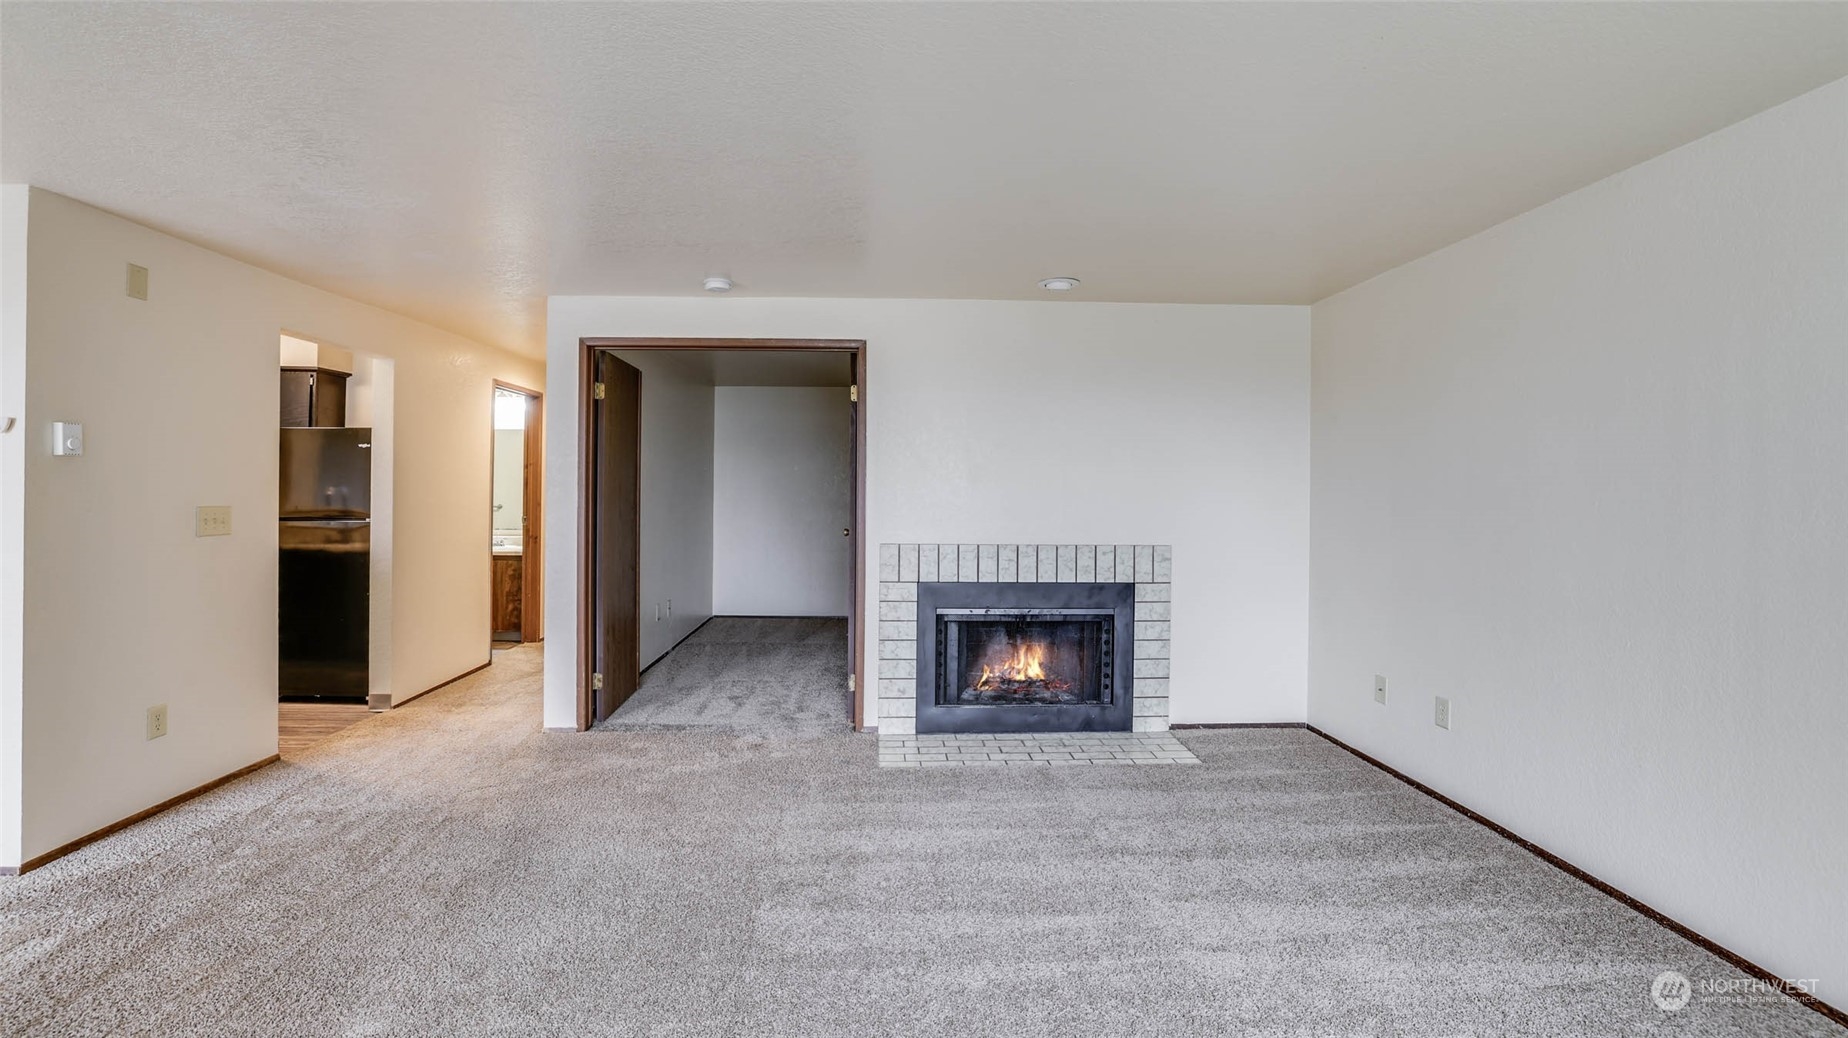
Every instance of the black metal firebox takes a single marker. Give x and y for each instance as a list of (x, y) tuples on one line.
[(1025, 657)]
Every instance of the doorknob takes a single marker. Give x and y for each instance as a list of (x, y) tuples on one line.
[(845, 533)]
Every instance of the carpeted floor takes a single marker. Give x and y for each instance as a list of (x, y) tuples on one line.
[(449, 869), (748, 674)]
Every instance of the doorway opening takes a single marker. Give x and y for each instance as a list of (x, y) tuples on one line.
[(515, 566), (736, 540), (334, 519)]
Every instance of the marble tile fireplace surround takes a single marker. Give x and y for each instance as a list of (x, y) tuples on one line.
[(1023, 638)]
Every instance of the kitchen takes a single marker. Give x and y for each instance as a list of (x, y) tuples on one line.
[(334, 513), (324, 546)]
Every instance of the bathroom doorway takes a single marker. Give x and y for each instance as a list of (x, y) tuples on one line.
[(515, 566)]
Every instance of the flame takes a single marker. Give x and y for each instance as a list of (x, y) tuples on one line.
[(1028, 663), (1024, 667)]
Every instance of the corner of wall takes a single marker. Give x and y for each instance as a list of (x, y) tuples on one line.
[(560, 517), (15, 212), (381, 398)]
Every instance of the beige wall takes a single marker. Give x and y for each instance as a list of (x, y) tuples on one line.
[(1585, 474), (297, 352), (123, 607)]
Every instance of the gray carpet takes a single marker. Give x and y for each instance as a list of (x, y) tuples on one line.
[(449, 869), (748, 674)]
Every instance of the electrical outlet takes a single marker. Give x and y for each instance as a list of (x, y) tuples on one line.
[(1443, 713), (1379, 689), (212, 521), (157, 721), (137, 281), (657, 612)]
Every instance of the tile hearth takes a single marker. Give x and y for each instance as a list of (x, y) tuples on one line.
[(1049, 749)]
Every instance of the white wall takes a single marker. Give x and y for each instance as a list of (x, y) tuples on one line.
[(781, 492), (125, 608), (1586, 474), (15, 210), (1204, 446), (676, 519), (372, 399)]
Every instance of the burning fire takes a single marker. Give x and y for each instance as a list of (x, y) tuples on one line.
[(1024, 669)]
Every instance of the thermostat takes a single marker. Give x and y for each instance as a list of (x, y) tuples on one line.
[(67, 438)]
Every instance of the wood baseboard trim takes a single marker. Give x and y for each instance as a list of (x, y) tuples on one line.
[(1680, 929), (445, 684), (114, 827), (1236, 724)]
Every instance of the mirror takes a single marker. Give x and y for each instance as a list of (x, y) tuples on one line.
[(509, 471)]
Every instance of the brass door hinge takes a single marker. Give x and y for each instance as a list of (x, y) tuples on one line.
[(599, 391), (596, 682), (853, 394)]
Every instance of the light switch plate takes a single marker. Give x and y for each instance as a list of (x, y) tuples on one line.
[(137, 281), (212, 521), (67, 439), (1379, 689)]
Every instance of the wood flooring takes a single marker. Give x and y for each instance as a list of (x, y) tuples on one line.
[(301, 725)]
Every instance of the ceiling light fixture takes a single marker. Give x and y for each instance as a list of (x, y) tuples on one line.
[(718, 284), (1059, 284)]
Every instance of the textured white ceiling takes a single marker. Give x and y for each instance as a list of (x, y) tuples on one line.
[(460, 162)]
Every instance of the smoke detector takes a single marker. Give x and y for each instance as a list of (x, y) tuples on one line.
[(718, 284), (1059, 284)]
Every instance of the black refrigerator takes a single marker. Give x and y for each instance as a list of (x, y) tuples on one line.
[(325, 568)]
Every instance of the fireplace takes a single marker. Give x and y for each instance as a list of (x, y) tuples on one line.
[(1002, 657), (1025, 657), (1130, 583)]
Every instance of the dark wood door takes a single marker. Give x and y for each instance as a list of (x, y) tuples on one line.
[(532, 575), (617, 590)]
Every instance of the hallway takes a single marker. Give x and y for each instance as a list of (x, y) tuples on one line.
[(748, 674)]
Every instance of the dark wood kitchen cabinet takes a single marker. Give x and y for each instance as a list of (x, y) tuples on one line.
[(507, 577), (313, 397)]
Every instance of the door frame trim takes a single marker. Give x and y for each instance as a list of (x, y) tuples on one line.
[(532, 491), (588, 347)]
